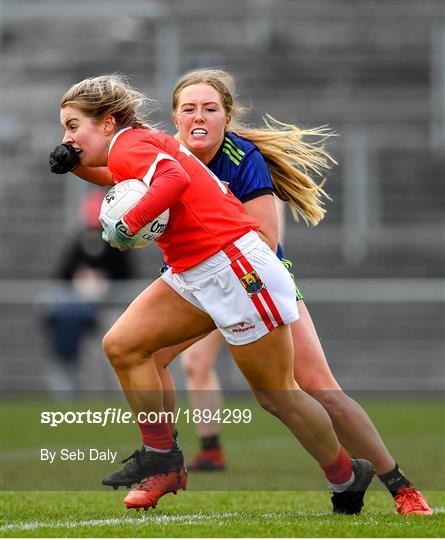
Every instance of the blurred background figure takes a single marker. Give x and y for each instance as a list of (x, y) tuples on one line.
[(85, 270)]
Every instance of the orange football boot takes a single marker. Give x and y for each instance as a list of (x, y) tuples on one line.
[(409, 501), (148, 492)]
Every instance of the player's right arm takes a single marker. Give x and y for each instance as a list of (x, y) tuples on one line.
[(134, 156), (100, 176)]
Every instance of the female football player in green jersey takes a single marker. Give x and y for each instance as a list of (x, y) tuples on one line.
[(206, 115)]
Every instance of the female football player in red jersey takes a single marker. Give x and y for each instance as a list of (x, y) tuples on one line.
[(255, 163), (221, 274)]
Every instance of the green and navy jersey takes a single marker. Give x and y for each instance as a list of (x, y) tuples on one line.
[(241, 166)]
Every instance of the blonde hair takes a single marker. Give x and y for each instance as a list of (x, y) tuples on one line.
[(105, 95), (291, 153)]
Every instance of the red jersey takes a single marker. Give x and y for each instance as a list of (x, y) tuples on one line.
[(205, 219)]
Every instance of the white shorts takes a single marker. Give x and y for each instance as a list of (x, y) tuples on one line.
[(245, 289)]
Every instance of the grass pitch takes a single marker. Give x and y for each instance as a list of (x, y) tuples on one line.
[(215, 514), (283, 493)]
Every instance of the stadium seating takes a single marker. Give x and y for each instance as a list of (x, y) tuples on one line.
[(351, 65)]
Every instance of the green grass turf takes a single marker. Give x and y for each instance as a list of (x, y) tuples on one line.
[(215, 514), (283, 493)]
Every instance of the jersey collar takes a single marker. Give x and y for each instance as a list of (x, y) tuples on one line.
[(218, 153), (113, 140)]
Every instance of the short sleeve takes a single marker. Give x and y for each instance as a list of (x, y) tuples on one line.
[(253, 178)]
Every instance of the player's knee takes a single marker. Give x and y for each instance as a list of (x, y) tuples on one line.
[(313, 382), (334, 401), (110, 346), (162, 358), (281, 403), (269, 403), (196, 372), (116, 351), (194, 367)]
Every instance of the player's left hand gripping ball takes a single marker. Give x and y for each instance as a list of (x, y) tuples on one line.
[(119, 236), (64, 158)]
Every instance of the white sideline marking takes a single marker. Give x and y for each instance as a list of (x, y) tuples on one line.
[(185, 518)]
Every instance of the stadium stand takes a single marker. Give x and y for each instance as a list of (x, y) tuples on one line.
[(362, 67)]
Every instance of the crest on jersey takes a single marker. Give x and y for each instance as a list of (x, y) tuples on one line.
[(252, 283)]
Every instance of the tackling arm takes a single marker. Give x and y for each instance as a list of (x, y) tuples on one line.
[(264, 210)]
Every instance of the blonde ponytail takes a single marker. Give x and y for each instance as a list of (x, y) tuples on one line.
[(293, 156)]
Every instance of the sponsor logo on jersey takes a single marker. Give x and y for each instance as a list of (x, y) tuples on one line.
[(252, 283)]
